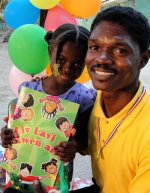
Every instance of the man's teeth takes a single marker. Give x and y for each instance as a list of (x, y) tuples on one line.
[(104, 73)]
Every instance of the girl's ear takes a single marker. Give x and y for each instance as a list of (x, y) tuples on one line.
[(49, 50), (144, 58)]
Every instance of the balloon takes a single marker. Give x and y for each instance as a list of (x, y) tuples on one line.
[(45, 4), (16, 78), (56, 17), (28, 50), (82, 8), (20, 12), (84, 76)]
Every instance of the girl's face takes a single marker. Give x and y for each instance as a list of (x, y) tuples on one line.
[(71, 61)]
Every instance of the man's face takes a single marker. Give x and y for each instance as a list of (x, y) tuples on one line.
[(113, 58)]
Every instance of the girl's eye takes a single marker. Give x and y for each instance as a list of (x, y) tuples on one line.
[(120, 51), (61, 61), (77, 65)]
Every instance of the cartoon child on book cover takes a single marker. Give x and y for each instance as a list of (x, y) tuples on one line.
[(51, 105), (51, 168), (50, 123), (9, 155), (24, 107), (64, 125)]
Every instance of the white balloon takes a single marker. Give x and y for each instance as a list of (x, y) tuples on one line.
[(17, 77)]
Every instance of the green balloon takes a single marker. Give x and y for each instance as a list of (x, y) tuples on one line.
[(28, 50)]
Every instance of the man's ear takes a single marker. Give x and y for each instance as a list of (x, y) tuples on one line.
[(144, 58)]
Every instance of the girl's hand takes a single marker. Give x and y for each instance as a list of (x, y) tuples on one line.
[(37, 79), (66, 150), (8, 137)]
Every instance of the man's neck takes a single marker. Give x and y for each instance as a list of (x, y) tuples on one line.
[(114, 102)]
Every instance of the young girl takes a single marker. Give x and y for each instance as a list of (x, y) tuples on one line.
[(67, 49)]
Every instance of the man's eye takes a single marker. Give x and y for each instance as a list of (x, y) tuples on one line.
[(120, 51)]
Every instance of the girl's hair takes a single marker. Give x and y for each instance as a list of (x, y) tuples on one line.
[(68, 32)]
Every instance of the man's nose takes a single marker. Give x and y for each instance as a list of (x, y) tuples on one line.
[(104, 57)]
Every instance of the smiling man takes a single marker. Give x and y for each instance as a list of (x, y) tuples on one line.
[(119, 126)]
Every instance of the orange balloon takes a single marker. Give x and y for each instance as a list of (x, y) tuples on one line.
[(82, 79), (84, 76), (82, 8)]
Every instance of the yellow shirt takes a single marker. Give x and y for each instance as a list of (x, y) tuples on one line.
[(124, 163)]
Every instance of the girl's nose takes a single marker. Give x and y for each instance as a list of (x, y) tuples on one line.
[(66, 67)]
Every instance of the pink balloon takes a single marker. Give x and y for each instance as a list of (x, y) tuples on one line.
[(56, 17), (16, 78)]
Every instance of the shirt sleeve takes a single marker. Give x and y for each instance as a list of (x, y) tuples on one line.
[(32, 85), (141, 182), (88, 100), (80, 125), (23, 84)]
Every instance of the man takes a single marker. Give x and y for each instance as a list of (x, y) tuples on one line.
[(119, 126)]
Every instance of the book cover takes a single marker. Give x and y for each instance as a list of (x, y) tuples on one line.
[(42, 121)]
